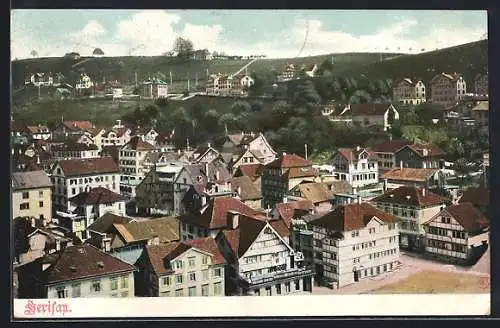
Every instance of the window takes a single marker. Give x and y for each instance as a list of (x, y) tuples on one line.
[(205, 274), (191, 261), (178, 264), (192, 291), (40, 193), (77, 290), (217, 288), (179, 292), (355, 234), (166, 281), (114, 284), (268, 291), (96, 286), (192, 276), (26, 195), (287, 287), (179, 279), (297, 284), (124, 282), (278, 289), (217, 272), (61, 292), (204, 290), (24, 206), (204, 260), (257, 292), (40, 204)]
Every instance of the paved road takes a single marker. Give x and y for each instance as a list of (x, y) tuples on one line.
[(410, 264)]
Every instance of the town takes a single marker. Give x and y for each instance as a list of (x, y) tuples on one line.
[(289, 189)]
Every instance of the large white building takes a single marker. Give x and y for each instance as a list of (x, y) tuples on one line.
[(354, 242), (357, 166), (131, 158)]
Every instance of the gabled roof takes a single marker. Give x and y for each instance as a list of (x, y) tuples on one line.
[(468, 216), (242, 238), (105, 222), (30, 180), (301, 172), (200, 170), (410, 196), (291, 209), (409, 174), (99, 165), (208, 245), (253, 171), (78, 125), (315, 192), (160, 255), (136, 143), (391, 146), (249, 191), (97, 195), (38, 129), (352, 154), (451, 77), (83, 261), (166, 229), (478, 196), (214, 214), (424, 150), (367, 109), (350, 217), (339, 187), (289, 161), (482, 106)]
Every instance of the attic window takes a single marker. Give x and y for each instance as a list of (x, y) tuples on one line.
[(408, 197), (100, 264), (81, 250)]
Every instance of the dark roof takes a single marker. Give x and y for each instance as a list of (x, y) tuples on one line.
[(30, 180), (289, 161), (468, 216), (249, 190), (253, 171), (136, 143), (241, 238), (351, 217), (97, 195), (98, 165), (424, 150), (158, 253), (74, 146), (478, 196), (410, 196), (301, 172), (196, 170), (391, 146), (83, 261), (105, 222), (368, 109)]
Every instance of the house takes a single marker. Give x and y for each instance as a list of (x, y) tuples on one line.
[(117, 136), (200, 54), (367, 115), (155, 193), (257, 143), (41, 79), (194, 268), (408, 91), (260, 261), (71, 128), (43, 240), (102, 229), (75, 150), (413, 206), (111, 151), (253, 171), (301, 237), (385, 152), (423, 178), (458, 233), (447, 89), (481, 84), (73, 176), (148, 135), (164, 142), (289, 210), (212, 217), (228, 85), (339, 187), (76, 271), (38, 132), (30, 157), (247, 191), (310, 70), (245, 156), (131, 158), (206, 176), (31, 195), (358, 166), (287, 74), (419, 156), (247, 81), (479, 197), (316, 192), (282, 175), (204, 154), (353, 242), (89, 205), (154, 89), (84, 82), (480, 115)]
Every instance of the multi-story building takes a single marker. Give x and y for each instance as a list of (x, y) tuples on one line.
[(447, 89), (237, 144), (386, 151), (413, 207), (73, 176), (422, 178), (419, 156), (260, 261), (481, 84), (228, 85), (358, 166), (31, 195), (119, 136), (154, 89), (354, 242), (408, 91), (74, 150), (80, 271), (38, 132), (369, 115), (288, 73), (282, 175), (131, 158), (194, 268), (457, 233)]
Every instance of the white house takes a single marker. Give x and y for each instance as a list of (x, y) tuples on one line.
[(146, 135), (85, 82), (247, 81), (457, 233), (260, 261), (39, 132), (117, 136), (353, 242), (358, 166), (413, 206), (131, 158)]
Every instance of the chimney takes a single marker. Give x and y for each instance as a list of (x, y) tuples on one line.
[(358, 199), (106, 244), (285, 199), (423, 192), (358, 148), (233, 220), (203, 200), (33, 222), (206, 169), (385, 185), (401, 165), (58, 245), (209, 145), (155, 240)]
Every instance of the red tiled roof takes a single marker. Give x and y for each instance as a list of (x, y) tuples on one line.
[(241, 238), (352, 154), (99, 165), (368, 109), (249, 191), (479, 196), (409, 174), (280, 227), (253, 171), (289, 161), (302, 172), (208, 245), (410, 196), (468, 216), (97, 195), (82, 125), (136, 143), (288, 211), (431, 151), (351, 217), (157, 254), (391, 146)]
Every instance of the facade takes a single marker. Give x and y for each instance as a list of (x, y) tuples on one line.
[(245, 156), (419, 156), (480, 115), (31, 195), (131, 158), (154, 89), (354, 242), (288, 73), (38, 132), (413, 207), (84, 82), (247, 191), (481, 84), (386, 151), (457, 233), (75, 151), (118, 136), (357, 166), (369, 115), (260, 261), (408, 91), (237, 144), (423, 178), (282, 175), (81, 271), (228, 85), (447, 89), (183, 269)]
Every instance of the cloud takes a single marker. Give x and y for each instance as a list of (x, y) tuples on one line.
[(92, 30)]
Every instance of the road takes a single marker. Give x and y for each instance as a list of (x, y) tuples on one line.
[(411, 263)]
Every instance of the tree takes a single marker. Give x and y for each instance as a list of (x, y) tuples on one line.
[(240, 106), (34, 53), (183, 47), (462, 171)]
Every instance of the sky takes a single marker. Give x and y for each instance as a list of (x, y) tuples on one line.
[(274, 33)]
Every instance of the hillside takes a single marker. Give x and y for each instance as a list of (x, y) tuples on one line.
[(468, 59), (125, 68)]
